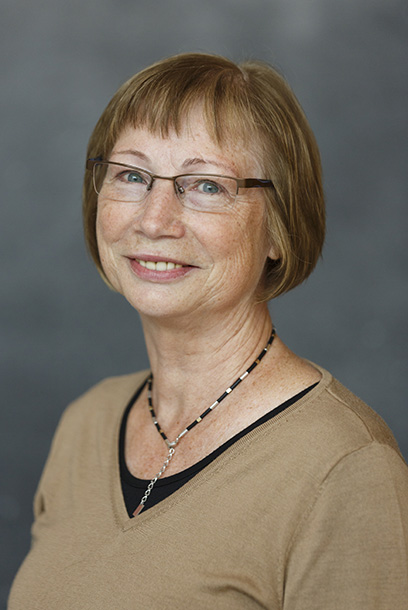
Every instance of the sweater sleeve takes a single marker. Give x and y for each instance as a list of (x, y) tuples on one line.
[(350, 552)]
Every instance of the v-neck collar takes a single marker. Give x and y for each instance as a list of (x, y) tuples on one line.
[(120, 513)]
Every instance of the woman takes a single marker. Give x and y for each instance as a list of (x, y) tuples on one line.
[(202, 200)]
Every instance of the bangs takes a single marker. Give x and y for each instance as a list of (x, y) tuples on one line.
[(162, 100)]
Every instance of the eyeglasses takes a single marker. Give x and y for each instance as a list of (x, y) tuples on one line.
[(201, 192)]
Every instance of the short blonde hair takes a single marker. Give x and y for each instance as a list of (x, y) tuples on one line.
[(250, 102)]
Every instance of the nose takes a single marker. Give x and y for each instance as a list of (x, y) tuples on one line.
[(161, 213)]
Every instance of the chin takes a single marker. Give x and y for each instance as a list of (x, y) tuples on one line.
[(157, 306)]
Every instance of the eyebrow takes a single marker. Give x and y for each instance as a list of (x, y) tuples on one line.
[(134, 153), (199, 161), (187, 163)]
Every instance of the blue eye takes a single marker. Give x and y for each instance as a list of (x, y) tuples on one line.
[(209, 188), (134, 177)]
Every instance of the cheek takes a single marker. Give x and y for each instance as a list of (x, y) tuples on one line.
[(240, 241), (250, 234), (109, 226)]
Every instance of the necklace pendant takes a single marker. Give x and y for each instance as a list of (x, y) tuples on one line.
[(170, 444), (138, 510)]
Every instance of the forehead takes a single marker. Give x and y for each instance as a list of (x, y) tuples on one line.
[(192, 144)]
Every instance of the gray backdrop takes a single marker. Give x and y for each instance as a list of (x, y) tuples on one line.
[(62, 330)]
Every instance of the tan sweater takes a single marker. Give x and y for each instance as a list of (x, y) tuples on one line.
[(309, 511)]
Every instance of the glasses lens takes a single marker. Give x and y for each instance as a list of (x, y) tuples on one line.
[(120, 183), (207, 192)]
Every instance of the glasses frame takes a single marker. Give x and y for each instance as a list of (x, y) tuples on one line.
[(247, 183)]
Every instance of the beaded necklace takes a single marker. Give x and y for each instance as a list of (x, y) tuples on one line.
[(171, 445)]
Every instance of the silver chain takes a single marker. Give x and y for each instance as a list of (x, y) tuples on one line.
[(154, 481)]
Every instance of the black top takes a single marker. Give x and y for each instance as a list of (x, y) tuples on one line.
[(133, 488)]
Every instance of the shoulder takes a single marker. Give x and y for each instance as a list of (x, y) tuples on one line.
[(107, 394), (341, 419), (326, 432), (100, 406), (84, 433)]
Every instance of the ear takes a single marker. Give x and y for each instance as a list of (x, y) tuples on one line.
[(273, 253)]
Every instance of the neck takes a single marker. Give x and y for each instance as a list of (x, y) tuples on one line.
[(193, 364)]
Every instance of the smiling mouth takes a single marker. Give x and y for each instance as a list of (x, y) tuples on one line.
[(158, 265)]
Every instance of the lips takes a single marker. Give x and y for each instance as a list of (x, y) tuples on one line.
[(157, 268)]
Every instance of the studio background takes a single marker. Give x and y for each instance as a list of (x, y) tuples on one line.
[(62, 330)]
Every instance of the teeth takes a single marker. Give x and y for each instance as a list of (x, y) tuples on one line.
[(162, 266), (159, 266)]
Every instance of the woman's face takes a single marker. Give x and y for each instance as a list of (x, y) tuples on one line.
[(216, 259)]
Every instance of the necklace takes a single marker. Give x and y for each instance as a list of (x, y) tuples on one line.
[(171, 445)]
